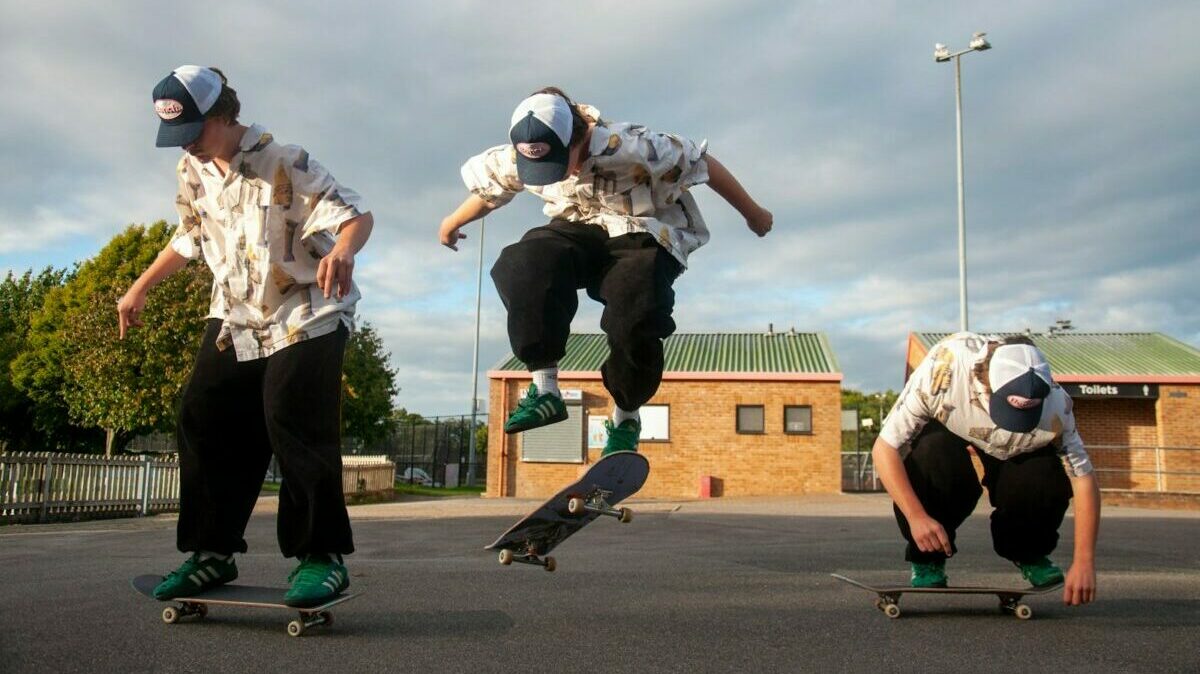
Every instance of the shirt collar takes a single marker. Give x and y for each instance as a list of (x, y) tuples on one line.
[(251, 137)]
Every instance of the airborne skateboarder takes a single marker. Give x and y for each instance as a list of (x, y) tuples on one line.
[(622, 226), (280, 235), (999, 397)]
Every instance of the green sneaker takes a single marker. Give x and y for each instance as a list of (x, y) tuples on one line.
[(534, 411), (1041, 573), (316, 580), (623, 438), (195, 576), (932, 574)]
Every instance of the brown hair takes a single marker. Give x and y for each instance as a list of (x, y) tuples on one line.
[(227, 105), (579, 118)]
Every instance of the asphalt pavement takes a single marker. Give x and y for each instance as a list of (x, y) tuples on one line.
[(729, 586)]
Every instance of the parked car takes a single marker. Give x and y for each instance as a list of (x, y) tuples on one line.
[(415, 476)]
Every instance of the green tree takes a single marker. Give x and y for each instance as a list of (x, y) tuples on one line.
[(25, 426), (368, 387), (870, 405), (125, 387)]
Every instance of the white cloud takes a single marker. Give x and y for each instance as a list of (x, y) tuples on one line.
[(1081, 153)]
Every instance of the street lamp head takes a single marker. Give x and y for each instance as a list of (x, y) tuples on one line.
[(979, 42), (940, 53)]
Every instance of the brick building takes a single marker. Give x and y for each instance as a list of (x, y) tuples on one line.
[(759, 414), (1137, 404)]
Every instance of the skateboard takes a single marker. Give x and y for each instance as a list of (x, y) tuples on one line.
[(1010, 598), (242, 595), (611, 480)]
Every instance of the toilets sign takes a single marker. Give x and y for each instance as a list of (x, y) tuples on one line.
[(1143, 391)]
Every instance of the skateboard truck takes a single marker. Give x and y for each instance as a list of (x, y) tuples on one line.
[(597, 502), (530, 556)]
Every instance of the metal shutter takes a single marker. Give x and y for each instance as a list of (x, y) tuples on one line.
[(557, 443)]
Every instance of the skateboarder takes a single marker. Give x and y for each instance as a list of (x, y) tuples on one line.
[(280, 235), (999, 397), (622, 226)]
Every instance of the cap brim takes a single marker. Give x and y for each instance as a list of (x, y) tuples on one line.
[(1012, 419), (545, 171), (178, 135)]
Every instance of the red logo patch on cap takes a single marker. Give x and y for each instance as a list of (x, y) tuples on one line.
[(168, 108), (533, 150)]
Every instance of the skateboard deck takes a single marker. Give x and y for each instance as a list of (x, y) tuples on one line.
[(609, 481), (241, 595), (1010, 598)]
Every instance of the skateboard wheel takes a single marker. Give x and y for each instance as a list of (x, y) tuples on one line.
[(550, 564), (295, 628), (326, 617), (891, 611), (506, 557), (1023, 612), (170, 615), (575, 505), (626, 516)]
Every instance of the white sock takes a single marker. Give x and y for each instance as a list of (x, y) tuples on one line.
[(546, 380), (620, 415), (207, 555)]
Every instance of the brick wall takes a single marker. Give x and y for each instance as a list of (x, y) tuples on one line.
[(1179, 429), (703, 441), (1124, 423)]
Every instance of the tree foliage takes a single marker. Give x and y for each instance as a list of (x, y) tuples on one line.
[(24, 424), (369, 384), (74, 356)]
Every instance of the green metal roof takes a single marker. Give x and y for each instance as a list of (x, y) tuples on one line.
[(1104, 353), (802, 352)]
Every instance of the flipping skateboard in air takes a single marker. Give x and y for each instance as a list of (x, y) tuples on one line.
[(597, 492)]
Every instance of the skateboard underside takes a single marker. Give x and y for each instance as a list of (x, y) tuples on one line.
[(607, 483)]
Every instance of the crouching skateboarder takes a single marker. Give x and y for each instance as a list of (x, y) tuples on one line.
[(622, 226), (999, 397), (280, 235)]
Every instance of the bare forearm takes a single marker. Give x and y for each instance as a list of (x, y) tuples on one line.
[(168, 262), (471, 209), (723, 183), (1086, 491), (891, 471), (353, 233)]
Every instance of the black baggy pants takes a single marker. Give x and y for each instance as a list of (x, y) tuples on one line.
[(233, 415), (1029, 492), (539, 277)]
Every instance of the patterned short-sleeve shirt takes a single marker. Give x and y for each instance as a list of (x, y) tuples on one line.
[(263, 228), (948, 387), (633, 180)]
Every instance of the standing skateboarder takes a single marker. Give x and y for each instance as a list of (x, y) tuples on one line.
[(622, 226), (280, 235), (999, 397)]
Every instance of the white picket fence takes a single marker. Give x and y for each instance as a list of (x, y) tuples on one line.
[(367, 474), (41, 487)]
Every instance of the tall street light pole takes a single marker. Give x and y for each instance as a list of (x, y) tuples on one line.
[(942, 54), (475, 361)]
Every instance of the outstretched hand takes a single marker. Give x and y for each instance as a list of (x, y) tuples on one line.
[(129, 308), (336, 270), (930, 535), (450, 236), (761, 222), (1080, 585)]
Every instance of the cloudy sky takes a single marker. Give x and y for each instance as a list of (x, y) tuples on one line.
[(1083, 156)]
